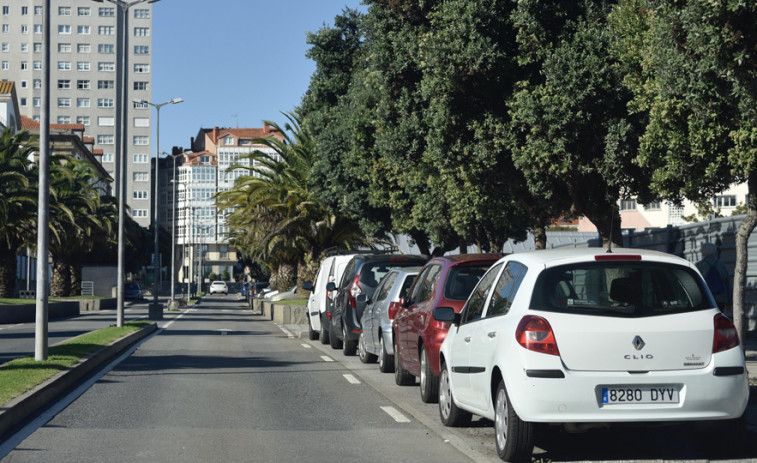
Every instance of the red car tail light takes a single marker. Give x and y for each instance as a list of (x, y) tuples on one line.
[(394, 307), (534, 333), (726, 336), (601, 257), (355, 291)]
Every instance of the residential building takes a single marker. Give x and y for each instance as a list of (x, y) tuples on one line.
[(84, 38), (9, 112), (201, 172)]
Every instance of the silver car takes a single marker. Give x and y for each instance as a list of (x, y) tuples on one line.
[(376, 338)]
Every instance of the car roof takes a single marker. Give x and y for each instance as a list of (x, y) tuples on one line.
[(550, 257)]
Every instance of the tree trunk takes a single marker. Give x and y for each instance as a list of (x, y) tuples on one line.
[(60, 285), (284, 277), (540, 237), (7, 272), (75, 271), (742, 258)]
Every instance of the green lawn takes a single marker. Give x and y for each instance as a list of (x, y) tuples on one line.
[(21, 375)]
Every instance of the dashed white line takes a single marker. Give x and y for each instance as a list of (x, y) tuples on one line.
[(306, 346), (395, 414), (351, 379), (327, 358)]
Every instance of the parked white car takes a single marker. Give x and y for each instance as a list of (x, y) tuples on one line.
[(583, 336), (331, 270), (219, 287)]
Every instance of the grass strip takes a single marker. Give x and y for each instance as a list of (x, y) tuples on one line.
[(21, 375)]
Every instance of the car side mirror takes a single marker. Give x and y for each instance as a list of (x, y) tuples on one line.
[(330, 286), (446, 314), (307, 286)]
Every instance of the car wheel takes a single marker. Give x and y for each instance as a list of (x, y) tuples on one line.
[(324, 336), (348, 347), (429, 382), (333, 339), (450, 414), (365, 356), (386, 361), (514, 437), (401, 376), (312, 334)]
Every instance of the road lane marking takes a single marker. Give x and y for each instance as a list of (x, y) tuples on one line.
[(395, 414), (306, 346), (327, 358), (286, 331), (351, 379)]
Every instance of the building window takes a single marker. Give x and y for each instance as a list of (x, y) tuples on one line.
[(37, 83), (140, 105), (228, 141), (23, 102), (83, 120), (64, 29), (82, 102), (83, 30), (5, 66), (38, 28), (106, 30), (141, 32), (140, 194), (24, 83), (141, 122), (36, 102), (64, 119), (141, 13), (24, 47), (64, 84), (653, 206), (106, 11), (140, 86), (141, 68), (24, 65), (107, 157), (141, 177), (141, 158), (82, 84), (141, 50), (24, 10), (83, 48), (6, 10), (64, 102), (38, 11), (6, 47), (64, 48), (627, 204), (106, 66), (139, 213), (106, 48), (24, 29), (105, 102), (84, 11), (141, 140), (37, 47), (106, 121), (105, 84), (105, 139), (725, 201), (82, 66), (37, 66), (64, 65), (64, 11)]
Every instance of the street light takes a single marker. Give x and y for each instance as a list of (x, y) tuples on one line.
[(173, 229), (155, 310), (121, 124)]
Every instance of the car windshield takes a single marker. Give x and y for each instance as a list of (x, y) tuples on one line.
[(372, 272), (620, 288), (461, 281)]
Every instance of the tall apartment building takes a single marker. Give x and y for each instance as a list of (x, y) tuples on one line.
[(84, 37)]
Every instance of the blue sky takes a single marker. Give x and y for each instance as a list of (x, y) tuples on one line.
[(234, 62)]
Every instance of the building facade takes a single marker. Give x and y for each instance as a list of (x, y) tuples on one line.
[(202, 236), (84, 38)]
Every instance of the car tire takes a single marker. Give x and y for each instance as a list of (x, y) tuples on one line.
[(514, 437), (402, 377), (385, 361), (333, 339), (429, 382), (324, 335), (450, 414), (349, 347), (312, 334), (365, 356)]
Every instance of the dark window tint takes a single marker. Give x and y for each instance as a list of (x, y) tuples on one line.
[(406, 284), (349, 273), (386, 285), (620, 288), (372, 272), (428, 284), (506, 288), (461, 281), (475, 306)]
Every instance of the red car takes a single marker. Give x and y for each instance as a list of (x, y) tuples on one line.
[(443, 282)]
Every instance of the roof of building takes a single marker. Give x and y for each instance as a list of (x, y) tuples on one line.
[(28, 123), (6, 87)]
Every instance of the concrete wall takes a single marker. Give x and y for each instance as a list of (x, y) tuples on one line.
[(27, 313), (104, 277), (280, 312)]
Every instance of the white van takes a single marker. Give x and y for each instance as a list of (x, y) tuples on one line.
[(331, 270)]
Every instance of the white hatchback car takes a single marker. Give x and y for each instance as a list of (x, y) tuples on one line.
[(219, 287), (583, 336)]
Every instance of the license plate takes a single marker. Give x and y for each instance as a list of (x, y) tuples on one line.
[(640, 395)]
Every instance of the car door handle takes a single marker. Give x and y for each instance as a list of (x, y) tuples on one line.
[(467, 339), (492, 334)]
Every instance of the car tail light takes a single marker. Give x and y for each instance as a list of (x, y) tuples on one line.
[(726, 336), (328, 315), (535, 333), (601, 257), (330, 294), (355, 291), (394, 307)]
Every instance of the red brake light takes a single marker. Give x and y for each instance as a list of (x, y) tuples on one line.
[(601, 257), (394, 307), (355, 291), (726, 336), (535, 333)]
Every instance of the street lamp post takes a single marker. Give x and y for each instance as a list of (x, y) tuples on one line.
[(156, 310), (173, 231), (121, 124)]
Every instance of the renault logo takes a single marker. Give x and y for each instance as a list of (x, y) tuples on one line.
[(638, 343)]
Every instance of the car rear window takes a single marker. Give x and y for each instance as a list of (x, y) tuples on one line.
[(372, 272), (620, 288), (461, 280)]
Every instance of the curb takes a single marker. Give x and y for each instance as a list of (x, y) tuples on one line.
[(26, 405)]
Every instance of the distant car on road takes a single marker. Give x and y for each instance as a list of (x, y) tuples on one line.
[(133, 291), (219, 287)]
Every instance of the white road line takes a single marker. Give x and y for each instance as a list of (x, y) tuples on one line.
[(172, 321), (306, 346), (12, 326), (394, 413), (286, 331), (351, 379), (327, 358)]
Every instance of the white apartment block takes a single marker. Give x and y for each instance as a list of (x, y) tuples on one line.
[(84, 35)]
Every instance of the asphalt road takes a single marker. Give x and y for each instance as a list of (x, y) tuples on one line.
[(218, 383)]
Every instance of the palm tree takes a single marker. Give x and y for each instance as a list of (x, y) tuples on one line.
[(18, 201)]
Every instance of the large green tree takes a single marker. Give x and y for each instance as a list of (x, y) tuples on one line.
[(692, 67)]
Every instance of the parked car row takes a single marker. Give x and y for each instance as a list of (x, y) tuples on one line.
[(575, 338)]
